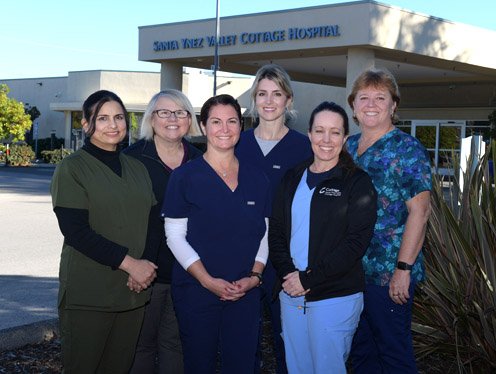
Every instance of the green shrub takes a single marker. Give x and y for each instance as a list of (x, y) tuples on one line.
[(455, 308), (47, 144), (55, 156), (20, 155), (3, 148)]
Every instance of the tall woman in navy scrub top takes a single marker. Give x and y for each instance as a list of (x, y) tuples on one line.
[(215, 212), (322, 222), (275, 148)]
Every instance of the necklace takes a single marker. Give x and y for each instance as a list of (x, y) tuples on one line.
[(229, 174), (224, 173)]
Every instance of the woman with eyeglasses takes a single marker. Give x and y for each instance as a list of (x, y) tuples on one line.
[(216, 210), (168, 118)]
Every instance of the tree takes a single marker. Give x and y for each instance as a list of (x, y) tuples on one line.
[(14, 122), (133, 128), (32, 111)]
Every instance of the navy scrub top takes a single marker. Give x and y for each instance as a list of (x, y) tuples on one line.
[(291, 150), (225, 227)]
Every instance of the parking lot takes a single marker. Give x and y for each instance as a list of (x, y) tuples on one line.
[(30, 245)]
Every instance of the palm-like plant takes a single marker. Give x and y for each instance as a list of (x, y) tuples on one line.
[(455, 308)]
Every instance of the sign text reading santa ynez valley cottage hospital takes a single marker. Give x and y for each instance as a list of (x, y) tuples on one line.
[(249, 38)]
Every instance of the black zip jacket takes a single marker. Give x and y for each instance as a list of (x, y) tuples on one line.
[(343, 211), (146, 152)]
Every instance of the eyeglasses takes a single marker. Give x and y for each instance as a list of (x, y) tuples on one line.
[(166, 113)]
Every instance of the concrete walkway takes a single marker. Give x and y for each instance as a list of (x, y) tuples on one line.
[(30, 246)]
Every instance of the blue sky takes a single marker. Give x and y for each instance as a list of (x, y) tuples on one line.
[(49, 38)]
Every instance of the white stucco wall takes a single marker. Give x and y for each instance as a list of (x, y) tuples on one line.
[(132, 87), (30, 91)]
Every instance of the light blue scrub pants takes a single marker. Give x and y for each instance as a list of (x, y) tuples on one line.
[(317, 335)]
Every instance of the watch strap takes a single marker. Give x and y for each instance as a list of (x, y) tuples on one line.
[(258, 275), (404, 266)]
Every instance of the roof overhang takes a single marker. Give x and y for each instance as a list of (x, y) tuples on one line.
[(312, 44)]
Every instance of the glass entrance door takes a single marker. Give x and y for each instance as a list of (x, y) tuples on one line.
[(442, 139)]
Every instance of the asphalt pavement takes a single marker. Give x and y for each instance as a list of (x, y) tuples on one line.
[(30, 246)]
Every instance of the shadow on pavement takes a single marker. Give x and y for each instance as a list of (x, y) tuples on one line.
[(26, 180), (26, 299)]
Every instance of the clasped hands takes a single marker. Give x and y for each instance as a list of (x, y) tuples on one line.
[(231, 291), (141, 273)]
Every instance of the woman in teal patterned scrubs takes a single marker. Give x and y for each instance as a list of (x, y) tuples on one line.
[(400, 170)]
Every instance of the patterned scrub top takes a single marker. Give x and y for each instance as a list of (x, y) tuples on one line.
[(400, 169)]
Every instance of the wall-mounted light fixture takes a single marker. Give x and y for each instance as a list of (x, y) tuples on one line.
[(224, 84)]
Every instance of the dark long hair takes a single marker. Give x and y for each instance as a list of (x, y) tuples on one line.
[(345, 159), (93, 104)]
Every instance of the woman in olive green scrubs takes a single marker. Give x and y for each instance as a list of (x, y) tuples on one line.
[(102, 200)]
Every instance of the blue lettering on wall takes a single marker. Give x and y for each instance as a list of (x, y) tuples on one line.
[(227, 40), (246, 38), (211, 41), (168, 45), (295, 33), (192, 43), (224, 40), (263, 37)]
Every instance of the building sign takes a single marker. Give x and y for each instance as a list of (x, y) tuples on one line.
[(249, 38)]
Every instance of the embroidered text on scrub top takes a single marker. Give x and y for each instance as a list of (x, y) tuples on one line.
[(329, 191)]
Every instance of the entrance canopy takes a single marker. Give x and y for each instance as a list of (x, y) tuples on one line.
[(440, 65)]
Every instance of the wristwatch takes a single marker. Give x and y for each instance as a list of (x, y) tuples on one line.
[(258, 275), (404, 266)]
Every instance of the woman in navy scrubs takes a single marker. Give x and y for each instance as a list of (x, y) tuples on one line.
[(275, 148), (215, 211)]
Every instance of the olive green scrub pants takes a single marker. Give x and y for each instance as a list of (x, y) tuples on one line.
[(98, 342)]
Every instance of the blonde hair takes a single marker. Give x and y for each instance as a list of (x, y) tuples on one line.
[(278, 75), (376, 78)]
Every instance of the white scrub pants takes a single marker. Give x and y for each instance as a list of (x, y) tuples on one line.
[(317, 335)]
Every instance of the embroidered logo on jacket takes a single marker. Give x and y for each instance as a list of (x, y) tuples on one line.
[(329, 191)]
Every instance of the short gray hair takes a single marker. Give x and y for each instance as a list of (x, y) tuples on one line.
[(177, 97)]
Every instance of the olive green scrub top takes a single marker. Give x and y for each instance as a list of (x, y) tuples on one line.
[(118, 210)]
